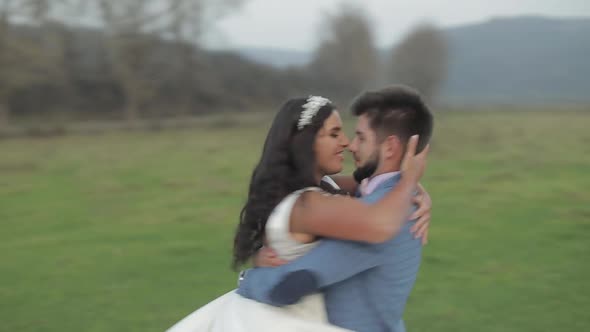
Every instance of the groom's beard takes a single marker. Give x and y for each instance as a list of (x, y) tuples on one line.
[(368, 169)]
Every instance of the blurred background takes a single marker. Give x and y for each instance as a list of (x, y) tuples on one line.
[(129, 130)]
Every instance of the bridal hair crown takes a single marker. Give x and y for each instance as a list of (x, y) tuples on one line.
[(310, 109)]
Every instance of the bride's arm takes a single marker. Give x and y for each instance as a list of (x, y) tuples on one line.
[(347, 218), (350, 219), (422, 214), (267, 257)]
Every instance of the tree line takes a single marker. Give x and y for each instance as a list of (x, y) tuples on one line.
[(132, 59)]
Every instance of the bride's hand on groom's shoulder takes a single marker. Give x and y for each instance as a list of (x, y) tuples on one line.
[(267, 257)]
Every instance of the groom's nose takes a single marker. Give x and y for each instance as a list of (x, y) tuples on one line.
[(353, 146)]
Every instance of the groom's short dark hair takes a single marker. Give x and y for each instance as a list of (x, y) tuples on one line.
[(396, 110)]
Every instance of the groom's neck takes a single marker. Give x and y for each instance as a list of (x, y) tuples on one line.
[(386, 168)]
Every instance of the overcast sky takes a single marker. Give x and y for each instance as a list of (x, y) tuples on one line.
[(294, 24)]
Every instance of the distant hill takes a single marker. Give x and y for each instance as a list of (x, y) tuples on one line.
[(503, 60), (279, 58), (521, 59)]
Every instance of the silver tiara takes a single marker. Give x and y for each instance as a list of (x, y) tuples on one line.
[(310, 109)]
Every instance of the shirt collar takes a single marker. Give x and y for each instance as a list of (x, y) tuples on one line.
[(367, 186)]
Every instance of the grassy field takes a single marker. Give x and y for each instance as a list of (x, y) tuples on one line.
[(131, 231)]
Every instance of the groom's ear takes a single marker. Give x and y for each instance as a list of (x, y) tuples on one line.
[(392, 147)]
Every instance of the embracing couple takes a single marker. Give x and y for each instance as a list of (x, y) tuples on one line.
[(334, 253)]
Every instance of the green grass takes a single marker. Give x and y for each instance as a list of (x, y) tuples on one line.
[(131, 231)]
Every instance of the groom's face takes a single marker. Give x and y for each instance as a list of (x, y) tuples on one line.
[(365, 149)]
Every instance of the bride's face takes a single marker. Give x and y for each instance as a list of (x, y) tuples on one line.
[(330, 144)]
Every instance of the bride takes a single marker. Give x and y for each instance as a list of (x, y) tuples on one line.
[(304, 145)]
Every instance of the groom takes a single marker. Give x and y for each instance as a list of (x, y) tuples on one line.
[(365, 286)]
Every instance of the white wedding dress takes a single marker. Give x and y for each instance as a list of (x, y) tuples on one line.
[(233, 313)]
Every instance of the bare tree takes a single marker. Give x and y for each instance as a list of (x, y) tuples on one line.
[(54, 36), (5, 10), (185, 32), (128, 41), (22, 61), (420, 60), (135, 33), (189, 20), (346, 59), (133, 28)]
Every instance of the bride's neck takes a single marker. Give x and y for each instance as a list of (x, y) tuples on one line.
[(318, 178)]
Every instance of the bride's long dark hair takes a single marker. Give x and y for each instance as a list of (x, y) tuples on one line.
[(287, 164)]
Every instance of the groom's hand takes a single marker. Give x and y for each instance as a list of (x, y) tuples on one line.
[(413, 165), (424, 202), (266, 257)]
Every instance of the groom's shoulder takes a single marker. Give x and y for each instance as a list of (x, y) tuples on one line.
[(381, 191)]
